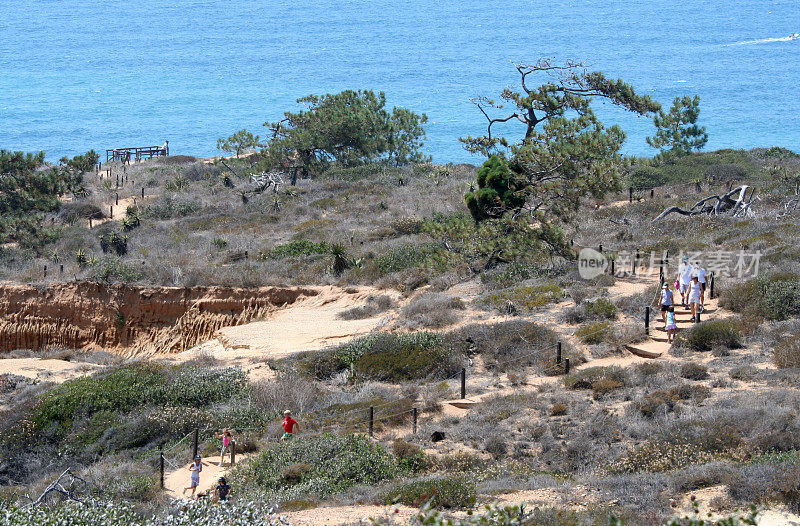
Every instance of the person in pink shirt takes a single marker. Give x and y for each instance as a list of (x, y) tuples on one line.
[(226, 445)]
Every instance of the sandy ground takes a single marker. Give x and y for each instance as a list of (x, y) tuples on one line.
[(51, 370), (312, 323), (176, 480)]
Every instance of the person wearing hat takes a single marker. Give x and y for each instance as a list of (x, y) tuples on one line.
[(666, 301), (289, 425), (685, 271), (195, 468), (222, 491)]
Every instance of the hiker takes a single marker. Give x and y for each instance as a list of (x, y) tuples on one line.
[(694, 297), (702, 278), (670, 326), (685, 278), (222, 491), (226, 445), (666, 301), (195, 468), (289, 425)]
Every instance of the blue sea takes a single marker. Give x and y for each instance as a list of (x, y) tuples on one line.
[(80, 74)]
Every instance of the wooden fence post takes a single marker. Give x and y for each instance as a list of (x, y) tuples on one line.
[(233, 453), (652, 193), (414, 420), (711, 286), (371, 420), (161, 467), (600, 249), (613, 267), (566, 366), (116, 199), (143, 192), (45, 271), (463, 383), (558, 353), (630, 194), (647, 320)]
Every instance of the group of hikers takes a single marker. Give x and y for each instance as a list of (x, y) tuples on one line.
[(691, 284), (222, 490)]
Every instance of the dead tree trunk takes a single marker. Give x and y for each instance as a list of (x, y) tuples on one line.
[(717, 205)]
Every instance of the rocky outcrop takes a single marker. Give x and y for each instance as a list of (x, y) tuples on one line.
[(129, 320)]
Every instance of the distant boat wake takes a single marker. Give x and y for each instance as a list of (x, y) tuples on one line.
[(793, 36)]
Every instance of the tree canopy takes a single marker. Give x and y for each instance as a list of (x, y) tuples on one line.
[(350, 128), (565, 152), (239, 142), (677, 132), (28, 189)]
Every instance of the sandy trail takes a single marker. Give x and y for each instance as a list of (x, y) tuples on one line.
[(310, 324), (51, 370), (176, 480)]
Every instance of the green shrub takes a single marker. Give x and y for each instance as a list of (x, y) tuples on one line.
[(708, 334), (387, 357), (450, 493), (168, 207), (601, 308), (774, 297), (335, 463), (694, 371), (594, 333), (113, 269), (406, 256), (605, 378), (300, 247), (409, 456), (102, 396), (509, 345), (786, 353), (527, 298)]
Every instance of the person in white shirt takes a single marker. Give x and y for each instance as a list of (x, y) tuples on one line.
[(701, 277), (685, 271), (694, 297)]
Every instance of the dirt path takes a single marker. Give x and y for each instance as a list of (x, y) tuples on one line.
[(176, 480)]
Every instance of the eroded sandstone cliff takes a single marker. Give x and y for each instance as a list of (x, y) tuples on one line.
[(129, 320)]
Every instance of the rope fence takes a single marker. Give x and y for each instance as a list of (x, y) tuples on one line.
[(171, 456)]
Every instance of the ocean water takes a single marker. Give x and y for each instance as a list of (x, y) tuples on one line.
[(80, 74)]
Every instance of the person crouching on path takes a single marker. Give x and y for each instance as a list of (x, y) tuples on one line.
[(226, 445), (195, 468), (694, 297), (223, 491), (666, 301), (289, 426)]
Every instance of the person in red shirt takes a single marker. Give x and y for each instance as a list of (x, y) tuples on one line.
[(289, 425)]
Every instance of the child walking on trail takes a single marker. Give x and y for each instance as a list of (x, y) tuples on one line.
[(666, 301), (289, 425), (226, 445), (194, 469), (670, 327)]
